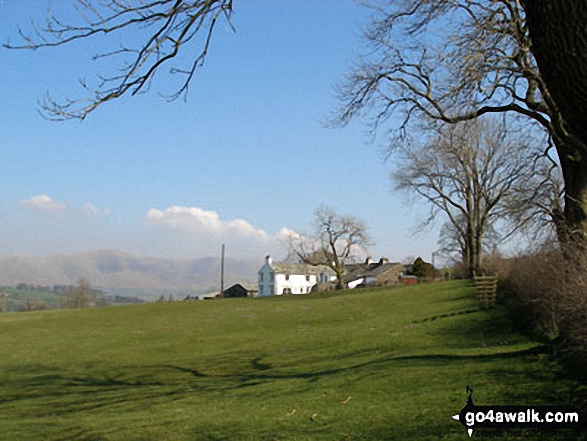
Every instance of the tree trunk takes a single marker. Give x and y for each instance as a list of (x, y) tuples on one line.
[(471, 263), (339, 279), (471, 254), (559, 42), (575, 214), (478, 253)]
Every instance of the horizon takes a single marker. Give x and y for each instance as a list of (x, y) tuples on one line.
[(261, 259)]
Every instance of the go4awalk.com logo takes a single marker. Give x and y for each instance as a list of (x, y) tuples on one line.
[(542, 418)]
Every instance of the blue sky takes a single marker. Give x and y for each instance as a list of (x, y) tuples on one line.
[(246, 156)]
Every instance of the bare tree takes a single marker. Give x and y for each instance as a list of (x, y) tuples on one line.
[(452, 244), (165, 28), (456, 60), (465, 172), (535, 205), (336, 240), (80, 296)]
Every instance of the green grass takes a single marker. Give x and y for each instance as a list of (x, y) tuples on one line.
[(373, 364), (17, 298)]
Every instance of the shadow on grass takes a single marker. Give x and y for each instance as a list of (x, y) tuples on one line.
[(446, 315), (145, 383), (39, 391), (130, 389), (38, 382)]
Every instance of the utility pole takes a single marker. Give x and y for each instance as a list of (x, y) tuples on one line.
[(222, 272)]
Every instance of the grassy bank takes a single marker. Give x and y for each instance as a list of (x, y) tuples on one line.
[(375, 364)]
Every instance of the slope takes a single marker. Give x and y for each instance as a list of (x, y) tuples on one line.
[(387, 363)]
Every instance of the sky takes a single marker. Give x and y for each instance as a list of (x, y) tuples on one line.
[(247, 157)]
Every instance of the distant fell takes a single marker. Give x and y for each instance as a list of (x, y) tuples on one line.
[(123, 272)]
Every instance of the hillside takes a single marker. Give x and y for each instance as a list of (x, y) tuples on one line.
[(376, 364), (124, 273)]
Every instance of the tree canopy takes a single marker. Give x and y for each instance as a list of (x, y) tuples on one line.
[(165, 28), (336, 240), (466, 172), (456, 60)]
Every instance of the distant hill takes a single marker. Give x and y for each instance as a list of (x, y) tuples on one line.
[(123, 273)]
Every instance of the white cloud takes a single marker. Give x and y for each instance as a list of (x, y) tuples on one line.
[(196, 220), (204, 230), (42, 202), (286, 234)]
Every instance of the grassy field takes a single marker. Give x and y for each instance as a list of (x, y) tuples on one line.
[(375, 364), (13, 299)]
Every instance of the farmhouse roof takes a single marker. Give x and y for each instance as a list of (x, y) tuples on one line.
[(357, 270), (299, 268)]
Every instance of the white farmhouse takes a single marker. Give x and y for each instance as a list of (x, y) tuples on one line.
[(276, 278)]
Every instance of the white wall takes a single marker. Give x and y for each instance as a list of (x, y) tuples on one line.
[(297, 283), (270, 284), (266, 284)]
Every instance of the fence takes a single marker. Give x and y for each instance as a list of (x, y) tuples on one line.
[(486, 287)]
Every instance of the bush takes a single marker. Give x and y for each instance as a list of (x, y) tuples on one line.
[(548, 292), (35, 305), (460, 271)]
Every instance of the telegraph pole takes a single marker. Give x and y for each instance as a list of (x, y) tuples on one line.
[(222, 272)]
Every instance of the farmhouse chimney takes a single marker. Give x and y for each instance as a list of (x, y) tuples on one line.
[(269, 260), (368, 261), (383, 261)]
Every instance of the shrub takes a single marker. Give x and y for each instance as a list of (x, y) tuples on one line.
[(548, 291), (460, 271), (35, 305)]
